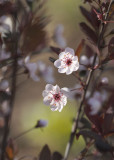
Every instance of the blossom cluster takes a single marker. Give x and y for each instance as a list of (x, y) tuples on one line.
[(53, 95)]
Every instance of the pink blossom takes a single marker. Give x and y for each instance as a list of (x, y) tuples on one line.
[(67, 62), (55, 97)]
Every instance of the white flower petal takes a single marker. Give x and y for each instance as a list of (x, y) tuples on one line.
[(57, 63), (74, 67), (68, 71), (49, 87), (47, 100), (45, 93), (60, 107), (64, 100), (70, 50), (53, 108), (65, 91), (75, 58), (56, 89), (62, 70), (61, 55)]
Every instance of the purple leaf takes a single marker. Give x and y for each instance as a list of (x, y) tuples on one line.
[(103, 145), (111, 48), (7, 7), (56, 156), (45, 154), (56, 50), (89, 32), (91, 17), (89, 1)]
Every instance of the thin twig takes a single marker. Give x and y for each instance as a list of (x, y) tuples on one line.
[(75, 124), (85, 150), (23, 133)]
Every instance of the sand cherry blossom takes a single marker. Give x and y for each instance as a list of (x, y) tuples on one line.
[(58, 36), (4, 84), (31, 68), (67, 62), (88, 61), (41, 123), (96, 101), (46, 72), (55, 97), (5, 25), (4, 55)]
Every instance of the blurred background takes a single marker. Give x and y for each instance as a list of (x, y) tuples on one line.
[(29, 105)]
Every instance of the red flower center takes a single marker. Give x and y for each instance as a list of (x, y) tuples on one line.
[(68, 62), (57, 97)]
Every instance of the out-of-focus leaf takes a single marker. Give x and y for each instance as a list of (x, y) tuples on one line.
[(11, 150), (52, 59), (97, 156), (89, 32), (7, 7), (56, 50), (6, 62), (97, 120), (105, 6), (56, 156), (108, 117), (45, 154), (108, 122), (33, 37), (4, 96), (112, 32), (89, 52), (111, 48), (32, 27), (88, 133), (89, 1), (80, 48), (103, 146), (91, 17), (86, 124), (96, 22), (111, 12), (86, 14), (0, 39)]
